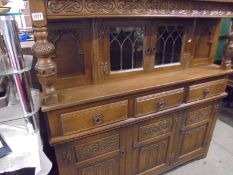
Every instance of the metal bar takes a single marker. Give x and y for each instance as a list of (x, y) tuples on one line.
[(12, 44)]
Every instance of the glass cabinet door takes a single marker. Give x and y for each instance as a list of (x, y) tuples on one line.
[(168, 45), (168, 40), (124, 47)]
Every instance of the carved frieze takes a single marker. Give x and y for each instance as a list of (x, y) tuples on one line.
[(96, 148), (198, 115), (93, 8), (155, 129)]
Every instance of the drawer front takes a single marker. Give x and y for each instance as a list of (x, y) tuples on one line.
[(94, 117), (159, 101), (205, 90)]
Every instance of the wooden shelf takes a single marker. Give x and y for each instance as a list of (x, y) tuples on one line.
[(131, 85)]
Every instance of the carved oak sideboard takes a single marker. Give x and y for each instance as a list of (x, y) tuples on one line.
[(128, 86)]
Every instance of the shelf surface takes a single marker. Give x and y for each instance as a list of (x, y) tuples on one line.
[(28, 66), (130, 85), (15, 112)]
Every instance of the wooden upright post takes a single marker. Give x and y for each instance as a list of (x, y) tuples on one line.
[(46, 68)]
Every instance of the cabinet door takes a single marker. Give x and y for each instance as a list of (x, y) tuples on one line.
[(169, 42), (102, 154), (194, 134), (73, 52), (122, 47), (206, 34), (152, 147)]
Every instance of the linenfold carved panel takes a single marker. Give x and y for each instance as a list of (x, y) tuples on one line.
[(108, 167), (152, 155), (93, 8), (97, 147), (193, 139)]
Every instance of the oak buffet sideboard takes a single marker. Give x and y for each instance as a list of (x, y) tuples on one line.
[(129, 86)]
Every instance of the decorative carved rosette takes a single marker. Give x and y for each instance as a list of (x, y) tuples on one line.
[(46, 68)]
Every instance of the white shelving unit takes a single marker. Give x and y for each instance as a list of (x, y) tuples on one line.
[(15, 112)]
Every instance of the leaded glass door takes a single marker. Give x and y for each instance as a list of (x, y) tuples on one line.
[(168, 41), (124, 47)]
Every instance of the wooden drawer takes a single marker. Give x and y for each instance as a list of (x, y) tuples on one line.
[(159, 101), (94, 117), (205, 90)]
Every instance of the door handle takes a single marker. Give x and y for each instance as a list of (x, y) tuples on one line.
[(148, 51)]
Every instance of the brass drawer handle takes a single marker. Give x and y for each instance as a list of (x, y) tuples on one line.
[(97, 119), (206, 92), (161, 103)]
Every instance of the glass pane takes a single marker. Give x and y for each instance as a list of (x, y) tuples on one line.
[(126, 48), (169, 45)]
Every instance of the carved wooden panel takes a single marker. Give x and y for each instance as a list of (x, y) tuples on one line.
[(96, 148), (197, 115), (193, 139), (69, 39), (155, 129), (93, 8), (152, 155), (107, 167)]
